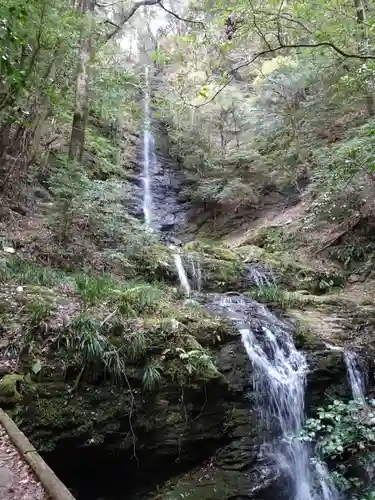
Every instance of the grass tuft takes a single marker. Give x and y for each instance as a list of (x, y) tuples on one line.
[(92, 288), (278, 297), (38, 311), (136, 345), (151, 376), (20, 272), (139, 299)]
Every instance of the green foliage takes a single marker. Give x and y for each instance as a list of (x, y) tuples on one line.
[(94, 288), (275, 240), (113, 89), (235, 145), (86, 341), (139, 298), (279, 297), (343, 430), (67, 183), (32, 35), (151, 376), (136, 344), (15, 270), (38, 311), (191, 364), (94, 208), (100, 156)]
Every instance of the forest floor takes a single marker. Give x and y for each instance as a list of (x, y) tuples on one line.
[(17, 480)]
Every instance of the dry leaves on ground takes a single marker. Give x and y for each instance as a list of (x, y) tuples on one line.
[(17, 480)]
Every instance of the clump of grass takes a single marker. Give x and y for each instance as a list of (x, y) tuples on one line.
[(94, 288), (90, 345), (140, 298), (276, 296), (17, 271), (38, 311), (86, 338), (114, 363), (151, 376), (135, 345)]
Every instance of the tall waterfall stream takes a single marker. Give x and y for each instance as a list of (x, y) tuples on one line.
[(148, 154), (279, 369)]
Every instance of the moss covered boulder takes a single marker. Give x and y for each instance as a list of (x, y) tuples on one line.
[(294, 273)]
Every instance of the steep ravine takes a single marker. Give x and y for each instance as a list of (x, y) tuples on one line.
[(244, 353), (254, 464)]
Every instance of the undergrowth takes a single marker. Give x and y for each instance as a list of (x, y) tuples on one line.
[(100, 324), (278, 297), (345, 432)]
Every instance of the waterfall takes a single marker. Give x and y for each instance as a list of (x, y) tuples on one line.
[(356, 376), (257, 275), (180, 270), (148, 154), (196, 271), (279, 377), (279, 369)]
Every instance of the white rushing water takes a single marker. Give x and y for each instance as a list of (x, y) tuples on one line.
[(148, 153), (258, 276), (196, 271), (279, 369), (356, 376), (279, 372), (181, 270)]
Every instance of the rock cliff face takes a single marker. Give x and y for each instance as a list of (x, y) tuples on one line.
[(102, 439)]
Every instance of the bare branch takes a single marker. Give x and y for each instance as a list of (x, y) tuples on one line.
[(129, 15), (191, 21), (332, 46), (259, 31), (143, 3)]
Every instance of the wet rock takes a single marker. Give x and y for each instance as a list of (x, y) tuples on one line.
[(327, 379), (354, 278)]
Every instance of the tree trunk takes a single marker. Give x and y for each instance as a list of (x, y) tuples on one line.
[(77, 138), (360, 10)]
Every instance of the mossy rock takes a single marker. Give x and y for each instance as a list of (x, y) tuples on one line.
[(209, 485), (50, 413), (211, 250), (10, 390), (224, 275), (212, 331), (293, 273), (252, 253), (156, 262)]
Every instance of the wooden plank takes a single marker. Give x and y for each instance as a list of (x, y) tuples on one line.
[(51, 483)]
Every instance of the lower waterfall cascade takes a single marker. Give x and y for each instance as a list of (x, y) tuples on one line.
[(356, 376), (279, 376)]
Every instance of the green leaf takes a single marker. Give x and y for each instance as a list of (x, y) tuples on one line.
[(36, 367)]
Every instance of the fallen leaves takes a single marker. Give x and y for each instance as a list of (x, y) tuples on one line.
[(17, 480)]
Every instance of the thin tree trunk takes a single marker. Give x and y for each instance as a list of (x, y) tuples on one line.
[(360, 10), (77, 139), (43, 113)]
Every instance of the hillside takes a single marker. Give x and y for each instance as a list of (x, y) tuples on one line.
[(186, 257)]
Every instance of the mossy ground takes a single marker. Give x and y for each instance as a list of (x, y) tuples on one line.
[(90, 347)]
